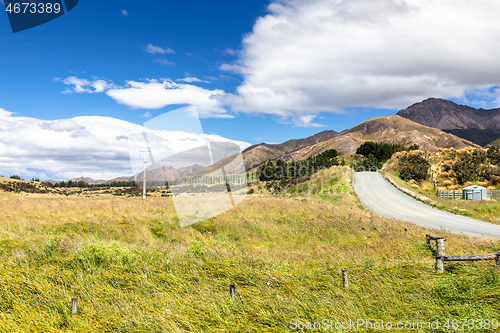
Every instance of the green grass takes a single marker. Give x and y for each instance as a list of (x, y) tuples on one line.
[(133, 269)]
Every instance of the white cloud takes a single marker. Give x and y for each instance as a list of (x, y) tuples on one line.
[(306, 121), (191, 79), (150, 48), (81, 86), (124, 12), (95, 147), (164, 62), (231, 52), (307, 57), (101, 85), (155, 94), (62, 125)]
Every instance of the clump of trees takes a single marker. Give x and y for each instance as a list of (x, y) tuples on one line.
[(478, 165), (413, 166), (279, 170), (371, 156)]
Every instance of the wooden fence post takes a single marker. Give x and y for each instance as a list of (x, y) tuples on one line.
[(440, 255), (74, 306), (345, 280), (232, 291)]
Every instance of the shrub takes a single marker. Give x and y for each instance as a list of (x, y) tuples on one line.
[(100, 254), (413, 166), (444, 175)]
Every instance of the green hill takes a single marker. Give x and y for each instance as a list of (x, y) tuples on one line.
[(495, 143)]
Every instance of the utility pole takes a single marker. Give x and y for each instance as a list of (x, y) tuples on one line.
[(143, 153)]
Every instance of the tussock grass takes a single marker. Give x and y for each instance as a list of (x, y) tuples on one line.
[(134, 269)]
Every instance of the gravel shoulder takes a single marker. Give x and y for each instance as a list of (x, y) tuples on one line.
[(380, 196)]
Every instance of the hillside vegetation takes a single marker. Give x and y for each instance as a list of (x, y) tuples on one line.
[(133, 269), (392, 130), (450, 170)]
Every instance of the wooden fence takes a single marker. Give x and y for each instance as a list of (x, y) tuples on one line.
[(495, 194), (441, 257), (450, 194)]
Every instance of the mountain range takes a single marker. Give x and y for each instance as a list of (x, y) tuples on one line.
[(388, 129), (480, 126), (431, 124)]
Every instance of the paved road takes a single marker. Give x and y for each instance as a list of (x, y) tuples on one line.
[(382, 197)]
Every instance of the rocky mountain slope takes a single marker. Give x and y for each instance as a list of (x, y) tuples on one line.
[(389, 129), (477, 125), (288, 150)]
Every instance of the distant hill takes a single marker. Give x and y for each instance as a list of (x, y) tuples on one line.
[(167, 172), (256, 154), (495, 143), (477, 125), (389, 129), (157, 173), (89, 180), (17, 186)]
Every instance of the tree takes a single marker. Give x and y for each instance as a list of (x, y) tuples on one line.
[(414, 166), (381, 152)]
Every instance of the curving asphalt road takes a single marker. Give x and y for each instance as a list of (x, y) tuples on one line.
[(383, 198)]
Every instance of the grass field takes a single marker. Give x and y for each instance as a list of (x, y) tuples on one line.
[(133, 269)]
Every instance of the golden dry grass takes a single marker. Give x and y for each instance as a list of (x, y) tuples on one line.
[(134, 269)]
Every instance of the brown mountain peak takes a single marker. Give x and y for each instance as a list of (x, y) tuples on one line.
[(477, 125)]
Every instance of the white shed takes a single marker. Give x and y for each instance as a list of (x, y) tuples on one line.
[(474, 192)]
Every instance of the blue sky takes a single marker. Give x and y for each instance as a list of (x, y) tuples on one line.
[(97, 40), (258, 71)]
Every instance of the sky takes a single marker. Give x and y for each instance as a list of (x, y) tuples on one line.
[(71, 90)]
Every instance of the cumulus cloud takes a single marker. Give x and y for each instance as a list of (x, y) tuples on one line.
[(307, 57), (306, 121), (155, 94), (124, 12), (96, 147), (150, 48), (81, 86), (62, 125)]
